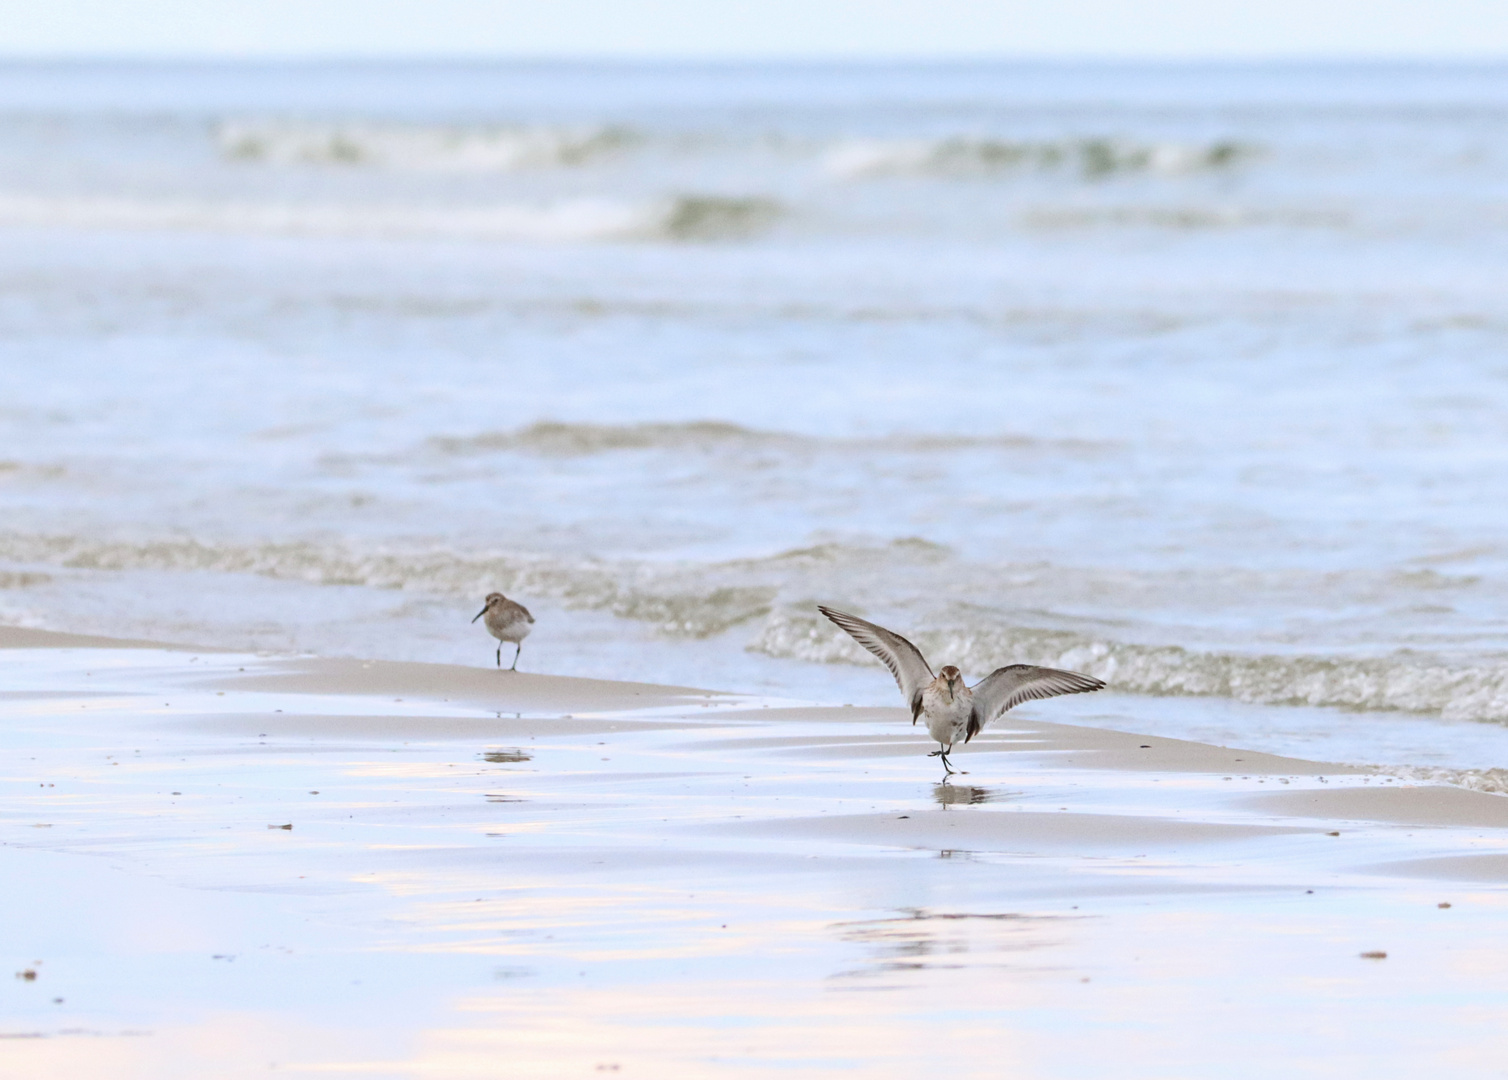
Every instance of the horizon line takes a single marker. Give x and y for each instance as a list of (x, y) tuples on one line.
[(733, 59)]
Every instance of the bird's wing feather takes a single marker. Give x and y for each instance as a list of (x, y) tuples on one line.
[(904, 659), (1005, 688)]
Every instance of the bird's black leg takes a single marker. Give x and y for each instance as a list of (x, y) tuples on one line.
[(499, 654), (948, 765), (519, 648)]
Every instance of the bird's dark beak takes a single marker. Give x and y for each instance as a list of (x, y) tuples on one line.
[(478, 615)]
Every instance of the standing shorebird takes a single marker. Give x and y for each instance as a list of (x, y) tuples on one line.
[(951, 709), (506, 621)]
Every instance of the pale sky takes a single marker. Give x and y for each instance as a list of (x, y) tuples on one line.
[(757, 28)]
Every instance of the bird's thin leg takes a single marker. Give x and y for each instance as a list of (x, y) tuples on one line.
[(499, 654), (943, 752), (519, 647)]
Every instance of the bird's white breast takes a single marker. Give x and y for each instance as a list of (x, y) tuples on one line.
[(507, 626), (947, 718)]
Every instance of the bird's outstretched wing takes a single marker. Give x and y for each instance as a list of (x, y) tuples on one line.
[(1005, 688), (903, 659)]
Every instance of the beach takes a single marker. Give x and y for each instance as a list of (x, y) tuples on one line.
[(224, 864), (1185, 376)]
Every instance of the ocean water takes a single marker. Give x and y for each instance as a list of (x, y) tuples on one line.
[(1194, 378)]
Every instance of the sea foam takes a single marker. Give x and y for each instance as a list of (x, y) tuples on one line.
[(706, 600), (418, 147), (959, 156), (684, 217)]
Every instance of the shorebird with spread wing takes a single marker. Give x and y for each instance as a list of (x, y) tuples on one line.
[(952, 710)]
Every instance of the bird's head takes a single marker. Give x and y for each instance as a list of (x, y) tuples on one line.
[(493, 599), (952, 679)]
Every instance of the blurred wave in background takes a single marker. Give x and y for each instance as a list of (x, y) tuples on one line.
[(1193, 377)]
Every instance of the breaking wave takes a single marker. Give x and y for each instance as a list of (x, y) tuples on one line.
[(684, 217), (1407, 682), (419, 147), (768, 595), (569, 440), (1492, 781), (676, 603), (503, 148), (958, 157), (554, 438), (1185, 217)]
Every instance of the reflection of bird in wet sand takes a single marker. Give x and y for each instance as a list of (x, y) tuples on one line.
[(952, 710), (948, 794), (506, 621)]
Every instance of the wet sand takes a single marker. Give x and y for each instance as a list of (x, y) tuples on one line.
[(225, 865)]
